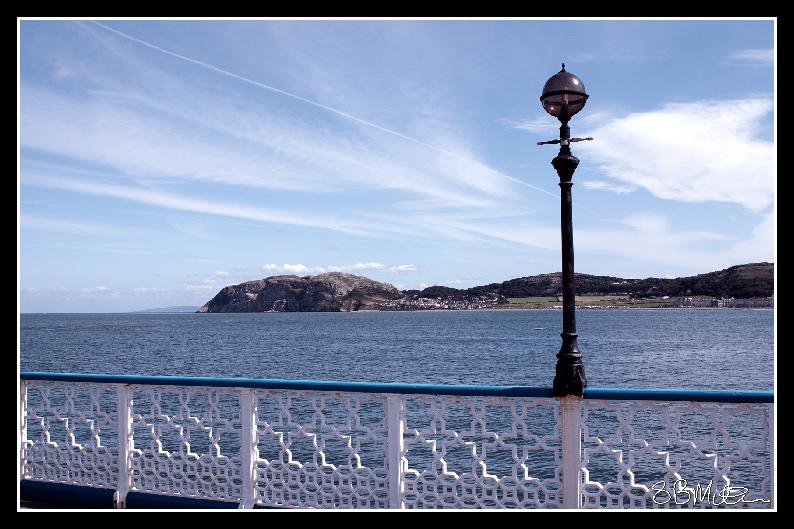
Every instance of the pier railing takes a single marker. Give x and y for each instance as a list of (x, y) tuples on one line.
[(198, 442)]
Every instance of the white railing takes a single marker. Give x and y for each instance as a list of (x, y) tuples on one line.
[(650, 454), (348, 445)]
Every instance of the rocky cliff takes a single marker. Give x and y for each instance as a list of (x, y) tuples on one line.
[(331, 292), (336, 291)]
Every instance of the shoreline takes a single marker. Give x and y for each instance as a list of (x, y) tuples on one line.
[(490, 309)]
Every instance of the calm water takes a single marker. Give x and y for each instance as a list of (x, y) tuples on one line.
[(687, 348)]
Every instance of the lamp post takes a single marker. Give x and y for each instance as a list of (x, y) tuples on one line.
[(563, 96)]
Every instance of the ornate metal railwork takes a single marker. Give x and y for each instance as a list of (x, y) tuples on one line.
[(186, 442), (651, 454), (69, 434), (348, 445), (469, 452), (321, 450)]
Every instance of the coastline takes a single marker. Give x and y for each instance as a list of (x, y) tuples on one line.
[(502, 309)]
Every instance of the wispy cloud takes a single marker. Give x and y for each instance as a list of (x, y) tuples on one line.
[(464, 282), (753, 56), (197, 205), (35, 222), (184, 136), (691, 152), (149, 290), (202, 285), (259, 150), (538, 125), (461, 158), (301, 269), (547, 125), (640, 236), (315, 133), (607, 186), (95, 292), (62, 72), (758, 247)]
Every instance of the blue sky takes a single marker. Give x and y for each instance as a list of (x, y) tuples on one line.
[(163, 160)]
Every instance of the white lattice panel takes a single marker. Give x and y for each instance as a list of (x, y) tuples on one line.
[(326, 449), (71, 430), (473, 452), (321, 450), (637, 454), (186, 441)]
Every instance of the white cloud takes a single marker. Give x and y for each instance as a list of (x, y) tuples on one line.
[(148, 290), (200, 287), (402, 268), (301, 269), (649, 237), (691, 152), (86, 292), (492, 179), (211, 207), (95, 289), (63, 226), (256, 149), (62, 72), (221, 273), (538, 125), (357, 267), (95, 292), (549, 126), (607, 186), (459, 283), (759, 247), (184, 132), (763, 56), (645, 237)]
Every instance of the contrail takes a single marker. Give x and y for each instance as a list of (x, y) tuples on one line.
[(314, 103)]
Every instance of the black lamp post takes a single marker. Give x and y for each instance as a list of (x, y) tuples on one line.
[(563, 96)]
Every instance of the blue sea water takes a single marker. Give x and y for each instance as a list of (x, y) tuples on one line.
[(666, 348)]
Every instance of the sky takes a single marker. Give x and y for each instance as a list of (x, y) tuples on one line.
[(161, 160)]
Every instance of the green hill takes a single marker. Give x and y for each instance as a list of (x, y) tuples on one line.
[(740, 281)]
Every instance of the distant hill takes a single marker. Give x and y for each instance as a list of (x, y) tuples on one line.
[(336, 291), (163, 310), (331, 292), (741, 281)]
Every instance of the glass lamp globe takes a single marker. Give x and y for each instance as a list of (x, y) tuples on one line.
[(563, 95)]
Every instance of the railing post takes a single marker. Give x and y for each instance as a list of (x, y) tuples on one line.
[(125, 444), (771, 434), (570, 416), (248, 449), (23, 425), (395, 424)]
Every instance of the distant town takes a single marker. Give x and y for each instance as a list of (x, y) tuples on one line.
[(438, 303), (582, 302), (727, 303), (741, 286)]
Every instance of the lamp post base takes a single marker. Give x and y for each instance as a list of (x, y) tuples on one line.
[(569, 378)]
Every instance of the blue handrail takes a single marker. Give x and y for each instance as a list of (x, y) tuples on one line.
[(412, 389), (309, 385), (689, 395)]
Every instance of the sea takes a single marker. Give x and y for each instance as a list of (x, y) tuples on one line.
[(728, 349), (637, 348)]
